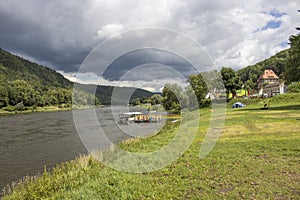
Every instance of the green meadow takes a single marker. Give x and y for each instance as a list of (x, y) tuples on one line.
[(256, 157)]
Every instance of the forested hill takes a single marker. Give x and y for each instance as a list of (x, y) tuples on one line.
[(277, 63), (119, 94), (13, 67), (26, 84)]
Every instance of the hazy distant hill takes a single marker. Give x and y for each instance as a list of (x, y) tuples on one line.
[(120, 95), (43, 85)]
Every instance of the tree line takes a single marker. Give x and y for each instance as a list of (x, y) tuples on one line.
[(293, 66), (19, 95), (193, 96)]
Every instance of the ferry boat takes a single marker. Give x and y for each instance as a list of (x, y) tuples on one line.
[(139, 117), (128, 117)]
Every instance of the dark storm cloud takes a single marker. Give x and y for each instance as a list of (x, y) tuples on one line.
[(61, 34), (47, 32), (129, 61)]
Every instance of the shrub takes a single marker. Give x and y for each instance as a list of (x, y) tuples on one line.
[(294, 87), (204, 103), (19, 106), (9, 108)]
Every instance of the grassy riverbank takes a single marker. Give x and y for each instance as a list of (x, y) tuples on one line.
[(256, 157), (34, 109), (44, 109)]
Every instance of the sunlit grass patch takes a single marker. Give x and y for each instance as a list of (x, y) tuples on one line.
[(283, 115), (261, 131)]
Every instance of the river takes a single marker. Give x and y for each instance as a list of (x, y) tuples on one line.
[(28, 142)]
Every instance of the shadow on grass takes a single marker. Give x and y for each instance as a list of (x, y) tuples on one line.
[(288, 107)]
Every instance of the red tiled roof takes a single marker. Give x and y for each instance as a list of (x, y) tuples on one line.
[(268, 74)]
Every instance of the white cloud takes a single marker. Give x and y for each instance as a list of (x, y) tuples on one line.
[(109, 30)]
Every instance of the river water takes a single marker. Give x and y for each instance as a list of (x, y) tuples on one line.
[(28, 142)]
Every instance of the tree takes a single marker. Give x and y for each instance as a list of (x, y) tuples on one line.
[(3, 97), (213, 80), (83, 98), (156, 99), (249, 86), (292, 73), (232, 82), (293, 66), (199, 86), (21, 91), (192, 98), (294, 87), (136, 102), (174, 98)]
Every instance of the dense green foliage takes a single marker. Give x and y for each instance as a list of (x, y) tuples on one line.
[(293, 65), (231, 80), (26, 84), (199, 89), (174, 98), (119, 94), (191, 97), (155, 99), (14, 67), (256, 157), (3, 97), (294, 87)]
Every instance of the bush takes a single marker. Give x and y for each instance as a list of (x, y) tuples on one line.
[(19, 106), (9, 108), (204, 103), (294, 87)]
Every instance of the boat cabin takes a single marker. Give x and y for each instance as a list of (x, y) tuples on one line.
[(128, 117), (138, 117)]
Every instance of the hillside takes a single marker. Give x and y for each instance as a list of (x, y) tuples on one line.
[(13, 67), (104, 93), (277, 63), (30, 85)]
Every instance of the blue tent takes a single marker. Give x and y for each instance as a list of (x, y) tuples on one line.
[(238, 105)]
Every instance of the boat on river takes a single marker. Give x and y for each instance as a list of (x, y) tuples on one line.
[(139, 117)]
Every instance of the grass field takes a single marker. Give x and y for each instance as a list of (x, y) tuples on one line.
[(256, 157)]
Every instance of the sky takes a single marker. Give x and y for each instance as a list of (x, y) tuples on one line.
[(66, 35)]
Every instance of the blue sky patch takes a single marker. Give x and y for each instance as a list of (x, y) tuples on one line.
[(274, 13), (273, 24), (284, 44), (277, 14)]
